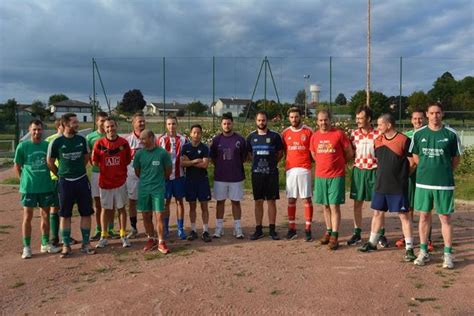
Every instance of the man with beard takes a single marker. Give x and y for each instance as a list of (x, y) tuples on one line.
[(296, 140), (228, 153), (72, 152), (265, 151)]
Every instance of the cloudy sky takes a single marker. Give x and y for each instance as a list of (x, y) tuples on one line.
[(46, 46)]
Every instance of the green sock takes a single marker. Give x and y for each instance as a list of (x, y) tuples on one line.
[(66, 236), (26, 241), (54, 224), (44, 239), (329, 231), (382, 231), (448, 249), (98, 229), (86, 233), (111, 227), (357, 231), (334, 234), (424, 247)]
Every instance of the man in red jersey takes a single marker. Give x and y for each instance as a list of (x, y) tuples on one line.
[(112, 155), (173, 143), (133, 139), (331, 149), (296, 140)]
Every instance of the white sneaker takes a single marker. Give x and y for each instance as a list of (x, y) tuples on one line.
[(125, 242), (50, 248), (26, 253), (423, 257), (238, 233), (448, 261), (103, 242), (133, 233), (218, 233)]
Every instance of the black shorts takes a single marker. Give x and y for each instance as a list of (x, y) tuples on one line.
[(72, 192), (265, 186)]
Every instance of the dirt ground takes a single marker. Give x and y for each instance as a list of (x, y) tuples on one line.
[(230, 276)]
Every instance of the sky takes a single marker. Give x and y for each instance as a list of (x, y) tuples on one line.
[(47, 46)]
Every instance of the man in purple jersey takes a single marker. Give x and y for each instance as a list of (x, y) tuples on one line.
[(228, 153)]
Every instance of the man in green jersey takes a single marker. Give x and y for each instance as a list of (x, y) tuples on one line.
[(152, 165), (437, 152), (72, 153), (36, 187), (91, 139)]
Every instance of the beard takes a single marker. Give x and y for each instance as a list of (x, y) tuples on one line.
[(262, 127)]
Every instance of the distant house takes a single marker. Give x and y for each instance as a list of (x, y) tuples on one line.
[(157, 108), (81, 109), (235, 106)]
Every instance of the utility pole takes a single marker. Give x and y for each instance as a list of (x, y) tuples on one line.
[(367, 91)]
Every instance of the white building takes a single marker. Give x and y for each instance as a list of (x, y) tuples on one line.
[(157, 108), (81, 109), (235, 106)]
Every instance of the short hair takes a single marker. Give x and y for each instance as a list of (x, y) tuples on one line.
[(367, 110), (111, 119), (67, 117), (101, 114), (227, 116), (325, 111), (294, 109), (196, 126), (261, 112), (36, 122), (387, 117), (57, 123), (418, 110), (137, 114), (172, 117), (148, 132), (438, 104)]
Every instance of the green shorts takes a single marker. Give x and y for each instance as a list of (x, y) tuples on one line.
[(441, 200), (329, 191), (38, 199), (362, 184), (151, 202)]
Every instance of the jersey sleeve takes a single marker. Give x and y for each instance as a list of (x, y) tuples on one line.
[(205, 151), (413, 149), (213, 149), (278, 142), (136, 160), (407, 147), (86, 148), (53, 149), (96, 152), (19, 157), (455, 145)]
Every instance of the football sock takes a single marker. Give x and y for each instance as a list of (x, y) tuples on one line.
[(308, 215), (98, 229), (44, 239), (259, 228), (409, 243), (272, 228), (133, 221), (180, 223), (424, 248), (382, 231), (328, 231), (237, 223), (104, 234), (219, 223), (292, 216), (205, 227), (111, 227), (374, 238), (166, 224), (66, 236), (54, 224), (86, 233), (193, 227), (334, 234), (357, 231), (123, 233), (26, 241), (448, 249)]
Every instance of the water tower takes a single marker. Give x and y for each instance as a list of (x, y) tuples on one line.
[(314, 89)]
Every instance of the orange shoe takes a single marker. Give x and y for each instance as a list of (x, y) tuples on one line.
[(163, 248), (400, 243), (150, 245), (430, 246), (325, 239)]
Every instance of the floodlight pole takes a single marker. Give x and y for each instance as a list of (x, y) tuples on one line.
[(164, 92), (367, 91), (93, 92), (213, 91), (330, 81), (265, 85), (400, 96)]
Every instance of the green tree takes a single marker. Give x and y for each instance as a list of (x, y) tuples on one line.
[(378, 102), (197, 107), (132, 102), (39, 109), (55, 98), (300, 97), (341, 99), (394, 104), (417, 100), (444, 88)]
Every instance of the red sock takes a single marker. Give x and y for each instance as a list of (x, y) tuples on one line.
[(308, 214), (291, 216)]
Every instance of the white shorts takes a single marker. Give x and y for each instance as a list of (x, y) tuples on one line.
[(132, 186), (233, 191), (114, 198), (298, 183), (95, 184)]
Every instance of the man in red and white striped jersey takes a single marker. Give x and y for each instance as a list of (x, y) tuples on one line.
[(133, 139), (173, 143)]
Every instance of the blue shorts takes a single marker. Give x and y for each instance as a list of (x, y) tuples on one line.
[(72, 192), (175, 188), (390, 202), (198, 189)]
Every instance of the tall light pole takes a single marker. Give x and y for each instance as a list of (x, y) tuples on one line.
[(306, 77), (368, 56)]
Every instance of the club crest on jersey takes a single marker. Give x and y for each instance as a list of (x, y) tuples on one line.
[(237, 144), (199, 151), (268, 140), (303, 138), (255, 140)]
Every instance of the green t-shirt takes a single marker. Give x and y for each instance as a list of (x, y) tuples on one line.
[(409, 133), (152, 164), (35, 176), (49, 139), (70, 154), (91, 139), (435, 150)]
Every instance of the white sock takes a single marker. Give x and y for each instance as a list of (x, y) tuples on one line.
[(219, 223), (237, 223), (374, 238), (193, 227), (409, 243), (161, 241), (205, 227)]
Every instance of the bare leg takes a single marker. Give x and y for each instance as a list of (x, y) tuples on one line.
[(205, 212), (406, 224), (377, 221), (327, 216), (272, 211), (358, 213), (192, 212), (220, 206), (148, 223), (335, 217), (424, 226), (159, 226), (236, 210), (27, 218), (258, 212), (446, 230), (180, 209), (44, 220)]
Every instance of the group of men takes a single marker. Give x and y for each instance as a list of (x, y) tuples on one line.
[(147, 171)]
